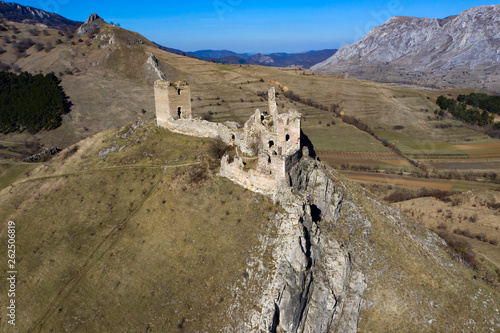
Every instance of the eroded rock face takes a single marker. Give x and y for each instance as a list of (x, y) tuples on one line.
[(469, 40), (315, 286), (466, 42), (92, 24)]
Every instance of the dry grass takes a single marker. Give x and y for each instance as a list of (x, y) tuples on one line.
[(413, 285), (471, 216), (124, 243)]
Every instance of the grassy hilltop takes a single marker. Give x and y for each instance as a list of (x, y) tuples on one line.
[(130, 231)]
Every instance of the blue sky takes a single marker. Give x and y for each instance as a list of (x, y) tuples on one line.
[(252, 25)]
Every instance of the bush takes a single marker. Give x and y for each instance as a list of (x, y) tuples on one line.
[(207, 116), (217, 148), (461, 247), (34, 32), (23, 45), (4, 67), (48, 47)]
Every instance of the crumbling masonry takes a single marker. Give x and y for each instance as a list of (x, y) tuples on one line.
[(273, 137)]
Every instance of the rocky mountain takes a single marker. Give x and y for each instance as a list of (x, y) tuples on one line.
[(29, 15), (217, 54), (303, 59), (460, 50)]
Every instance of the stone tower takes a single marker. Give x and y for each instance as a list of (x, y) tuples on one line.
[(273, 107), (287, 127), (172, 100)]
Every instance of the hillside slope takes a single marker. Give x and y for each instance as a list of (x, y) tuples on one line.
[(153, 241), (458, 51)]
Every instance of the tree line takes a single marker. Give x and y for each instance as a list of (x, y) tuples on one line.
[(31, 102), (460, 111), (490, 103)]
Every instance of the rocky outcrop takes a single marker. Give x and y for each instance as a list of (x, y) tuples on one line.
[(153, 65), (92, 25), (44, 154), (467, 42), (314, 285), (262, 59)]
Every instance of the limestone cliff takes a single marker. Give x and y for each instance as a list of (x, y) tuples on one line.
[(467, 42)]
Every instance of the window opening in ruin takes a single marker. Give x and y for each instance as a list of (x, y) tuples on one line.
[(178, 91), (271, 144), (287, 137), (232, 137), (269, 160), (179, 112)]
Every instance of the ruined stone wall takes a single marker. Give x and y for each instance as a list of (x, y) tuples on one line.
[(179, 96), (229, 133), (275, 136), (287, 127), (272, 164), (161, 102), (250, 179), (271, 97)]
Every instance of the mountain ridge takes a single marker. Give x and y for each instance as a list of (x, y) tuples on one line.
[(432, 47), (275, 59), (25, 14)]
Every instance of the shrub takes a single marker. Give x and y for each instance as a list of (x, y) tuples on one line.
[(4, 67), (34, 32), (207, 116), (217, 148), (48, 47), (23, 45), (461, 247), (70, 152)]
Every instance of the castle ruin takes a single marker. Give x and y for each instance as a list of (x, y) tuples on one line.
[(273, 137)]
